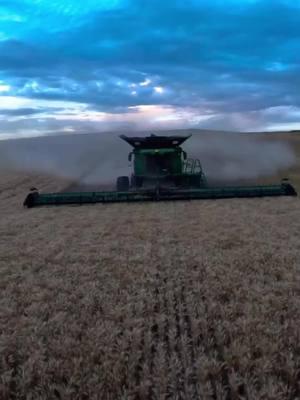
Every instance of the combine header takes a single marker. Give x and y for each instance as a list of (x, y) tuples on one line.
[(161, 171)]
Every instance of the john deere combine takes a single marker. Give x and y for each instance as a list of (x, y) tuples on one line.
[(161, 171)]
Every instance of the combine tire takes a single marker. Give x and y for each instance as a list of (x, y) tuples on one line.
[(123, 184), (136, 181)]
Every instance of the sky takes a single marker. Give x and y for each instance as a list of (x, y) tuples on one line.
[(97, 65)]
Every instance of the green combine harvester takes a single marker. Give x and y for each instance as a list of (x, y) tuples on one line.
[(161, 171)]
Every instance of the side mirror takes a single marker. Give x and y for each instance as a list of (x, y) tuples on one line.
[(184, 155), (130, 157)]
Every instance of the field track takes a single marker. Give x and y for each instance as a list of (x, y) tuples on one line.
[(186, 300)]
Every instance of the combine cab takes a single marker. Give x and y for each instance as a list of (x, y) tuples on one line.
[(161, 171), (159, 161)]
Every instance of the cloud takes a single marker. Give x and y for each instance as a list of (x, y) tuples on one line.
[(232, 60), (23, 112)]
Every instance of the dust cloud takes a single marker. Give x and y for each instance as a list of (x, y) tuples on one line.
[(92, 159), (229, 157), (85, 158)]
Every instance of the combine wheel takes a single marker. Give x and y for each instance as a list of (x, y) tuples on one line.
[(123, 184), (196, 180), (136, 181)]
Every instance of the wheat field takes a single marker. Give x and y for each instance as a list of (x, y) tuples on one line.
[(183, 300), (177, 300)]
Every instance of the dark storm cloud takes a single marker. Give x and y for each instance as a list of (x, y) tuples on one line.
[(226, 57)]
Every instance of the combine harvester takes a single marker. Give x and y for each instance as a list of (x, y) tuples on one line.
[(161, 171)]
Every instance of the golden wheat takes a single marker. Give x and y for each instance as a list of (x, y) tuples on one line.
[(185, 300)]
